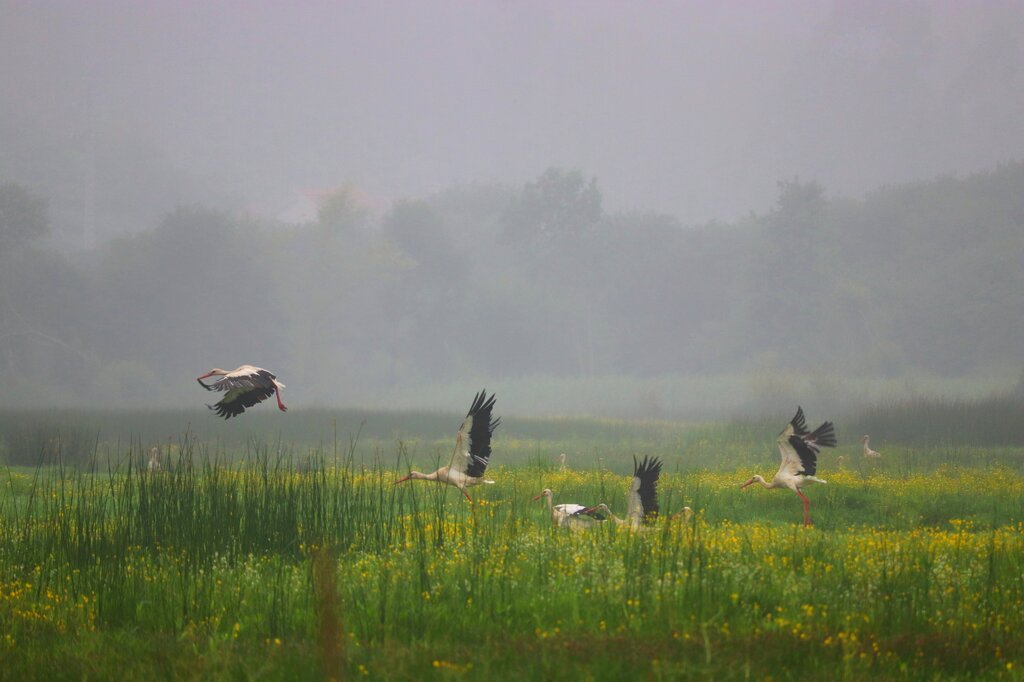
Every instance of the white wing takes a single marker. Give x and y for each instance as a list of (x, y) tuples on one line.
[(791, 464)]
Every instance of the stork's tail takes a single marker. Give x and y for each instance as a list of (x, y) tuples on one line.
[(488, 481)]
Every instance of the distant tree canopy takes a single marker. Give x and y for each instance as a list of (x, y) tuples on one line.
[(556, 209), (22, 217), (487, 282)]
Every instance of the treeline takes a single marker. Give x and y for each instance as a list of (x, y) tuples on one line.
[(481, 283)]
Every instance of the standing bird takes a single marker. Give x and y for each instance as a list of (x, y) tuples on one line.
[(642, 496), (799, 450), (561, 460), (245, 387), (472, 449), (154, 461), (567, 515), (868, 452)]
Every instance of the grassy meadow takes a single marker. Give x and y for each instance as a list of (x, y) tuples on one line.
[(264, 554)]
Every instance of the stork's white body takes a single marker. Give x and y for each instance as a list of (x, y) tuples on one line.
[(799, 451), (472, 450), (154, 464), (243, 387), (568, 515), (868, 452)]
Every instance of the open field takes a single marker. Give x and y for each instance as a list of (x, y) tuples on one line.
[(284, 560)]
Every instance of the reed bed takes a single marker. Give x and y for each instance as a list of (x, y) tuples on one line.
[(261, 564)]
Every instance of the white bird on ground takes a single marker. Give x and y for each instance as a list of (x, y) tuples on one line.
[(561, 460), (568, 515), (799, 450), (154, 461), (642, 496), (472, 449), (244, 387), (868, 452)]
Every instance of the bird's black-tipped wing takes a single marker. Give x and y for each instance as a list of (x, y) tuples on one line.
[(809, 445), (642, 498), (473, 447), (237, 399), (798, 422)]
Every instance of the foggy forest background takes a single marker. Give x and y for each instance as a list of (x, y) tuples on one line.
[(547, 217), (485, 283)]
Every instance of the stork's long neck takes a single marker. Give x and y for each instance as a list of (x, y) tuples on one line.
[(867, 449)]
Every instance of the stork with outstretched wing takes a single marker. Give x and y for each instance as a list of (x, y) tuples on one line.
[(472, 451), (799, 450), (242, 387)]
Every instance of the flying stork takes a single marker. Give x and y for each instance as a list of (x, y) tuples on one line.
[(472, 450), (245, 387), (568, 515), (868, 452), (642, 496), (799, 450)]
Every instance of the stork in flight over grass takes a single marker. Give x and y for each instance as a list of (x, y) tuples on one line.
[(568, 515), (868, 452), (799, 450), (642, 496), (244, 387), (472, 449)]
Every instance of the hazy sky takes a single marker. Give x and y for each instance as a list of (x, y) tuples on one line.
[(694, 108)]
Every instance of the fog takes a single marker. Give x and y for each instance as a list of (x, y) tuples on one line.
[(646, 210)]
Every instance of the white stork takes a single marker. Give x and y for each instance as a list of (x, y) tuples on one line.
[(245, 387), (868, 452), (568, 515), (799, 450), (561, 460), (154, 461), (472, 449), (642, 496)]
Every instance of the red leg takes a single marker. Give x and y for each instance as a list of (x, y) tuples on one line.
[(467, 495), (280, 405), (807, 508)]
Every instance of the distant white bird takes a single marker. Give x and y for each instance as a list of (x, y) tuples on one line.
[(244, 387), (799, 450), (472, 449), (642, 496), (561, 459), (868, 452), (154, 461), (567, 515)]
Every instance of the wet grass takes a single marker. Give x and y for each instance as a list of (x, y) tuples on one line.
[(307, 562)]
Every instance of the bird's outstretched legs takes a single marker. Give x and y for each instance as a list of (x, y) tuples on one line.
[(280, 405), (807, 508), (463, 491)]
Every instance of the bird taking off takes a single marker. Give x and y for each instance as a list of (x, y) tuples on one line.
[(243, 387), (799, 450), (472, 451), (642, 496)]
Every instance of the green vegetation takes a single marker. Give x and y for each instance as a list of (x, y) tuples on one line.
[(910, 290), (271, 562)]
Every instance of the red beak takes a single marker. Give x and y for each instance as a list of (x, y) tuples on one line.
[(403, 479)]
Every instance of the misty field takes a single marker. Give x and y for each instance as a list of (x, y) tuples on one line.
[(268, 561)]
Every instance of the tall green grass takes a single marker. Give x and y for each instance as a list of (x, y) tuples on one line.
[(228, 563)]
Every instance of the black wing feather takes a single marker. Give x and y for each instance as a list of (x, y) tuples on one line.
[(799, 423), (480, 433), (233, 405), (648, 471), (809, 445)]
